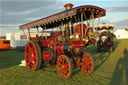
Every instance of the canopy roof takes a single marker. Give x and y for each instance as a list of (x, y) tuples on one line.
[(65, 16), (104, 26)]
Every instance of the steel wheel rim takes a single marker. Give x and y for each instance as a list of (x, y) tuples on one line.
[(30, 56), (63, 67), (87, 63)]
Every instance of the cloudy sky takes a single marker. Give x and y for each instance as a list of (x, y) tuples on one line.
[(14, 13)]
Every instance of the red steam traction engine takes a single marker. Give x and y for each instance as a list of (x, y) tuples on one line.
[(63, 47)]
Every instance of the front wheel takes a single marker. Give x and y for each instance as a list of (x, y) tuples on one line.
[(87, 63), (64, 66)]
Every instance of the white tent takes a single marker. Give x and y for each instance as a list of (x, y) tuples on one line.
[(18, 39), (121, 34)]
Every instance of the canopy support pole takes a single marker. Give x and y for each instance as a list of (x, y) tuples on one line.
[(98, 21), (67, 30), (42, 30), (82, 24), (29, 34), (70, 27), (92, 22), (78, 19), (37, 30), (87, 24), (62, 28), (25, 34), (77, 23), (45, 33), (57, 28), (85, 17)]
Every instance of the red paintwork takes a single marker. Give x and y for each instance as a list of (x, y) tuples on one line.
[(60, 48), (78, 29), (33, 39), (45, 42), (75, 44), (54, 34), (92, 40), (4, 46), (49, 42), (46, 55), (30, 56), (104, 32)]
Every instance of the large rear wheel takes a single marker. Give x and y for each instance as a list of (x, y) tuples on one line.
[(33, 55), (87, 63), (64, 66)]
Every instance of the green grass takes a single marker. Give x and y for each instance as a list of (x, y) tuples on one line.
[(110, 69)]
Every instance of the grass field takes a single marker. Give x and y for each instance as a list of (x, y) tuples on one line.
[(110, 69)]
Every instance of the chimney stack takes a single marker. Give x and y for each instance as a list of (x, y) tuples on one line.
[(68, 6)]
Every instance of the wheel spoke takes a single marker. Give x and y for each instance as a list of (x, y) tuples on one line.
[(30, 62), (27, 54), (63, 59), (59, 64), (30, 48), (33, 66), (89, 68), (65, 66)]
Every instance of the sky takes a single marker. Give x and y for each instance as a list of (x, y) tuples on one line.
[(14, 13)]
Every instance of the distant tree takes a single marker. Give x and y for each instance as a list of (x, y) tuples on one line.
[(2, 37), (126, 29), (103, 23)]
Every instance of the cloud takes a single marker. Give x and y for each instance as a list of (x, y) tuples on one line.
[(5, 28), (23, 13), (17, 12), (9, 25), (122, 23), (32, 18), (117, 9), (119, 24)]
